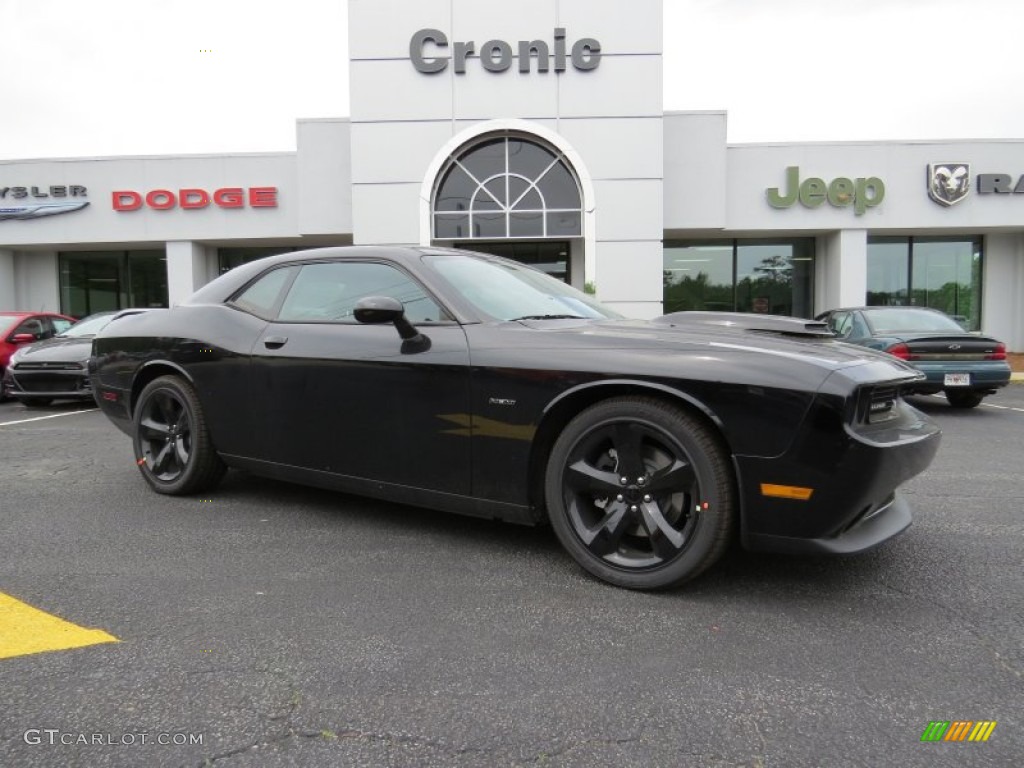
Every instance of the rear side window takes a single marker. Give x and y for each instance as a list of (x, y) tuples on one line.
[(841, 323), (263, 297)]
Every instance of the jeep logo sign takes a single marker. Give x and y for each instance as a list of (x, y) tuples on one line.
[(427, 46), (861, 193)]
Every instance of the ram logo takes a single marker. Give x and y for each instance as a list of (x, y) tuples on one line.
[(949, 183)]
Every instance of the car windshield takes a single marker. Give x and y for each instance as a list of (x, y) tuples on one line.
[(88, 326), (910, 320), (507, 291)]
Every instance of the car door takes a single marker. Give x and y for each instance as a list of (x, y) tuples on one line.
[(338, 396)]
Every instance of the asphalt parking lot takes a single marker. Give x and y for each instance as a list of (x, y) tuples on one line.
[(272, 625)]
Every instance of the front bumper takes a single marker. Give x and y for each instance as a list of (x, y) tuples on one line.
[(875, 527), (853, 470), (74, 385)]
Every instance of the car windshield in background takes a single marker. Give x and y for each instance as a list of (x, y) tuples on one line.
[(90, 326), (506, 291), (910, 320)]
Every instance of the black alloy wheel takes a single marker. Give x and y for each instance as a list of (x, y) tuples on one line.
[(172, 444), (963, 399), (640, 493)]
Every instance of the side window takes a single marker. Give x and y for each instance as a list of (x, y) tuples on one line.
[(328, 292), (840, 323), (262, 297), (60, 324), (860, 328), (34, 325)]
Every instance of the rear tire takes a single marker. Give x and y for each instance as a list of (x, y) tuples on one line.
[(963, 399), (641, 493), (173, 448)]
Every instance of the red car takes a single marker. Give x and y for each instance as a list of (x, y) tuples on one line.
[(20, 328)]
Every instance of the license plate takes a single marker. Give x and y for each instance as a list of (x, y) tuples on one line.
[(957, 380)]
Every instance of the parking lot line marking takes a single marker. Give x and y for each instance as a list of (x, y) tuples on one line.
[(986, 405), (25, 630), (51, 416)]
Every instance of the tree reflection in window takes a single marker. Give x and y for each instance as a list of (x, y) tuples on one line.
[(507, 187)]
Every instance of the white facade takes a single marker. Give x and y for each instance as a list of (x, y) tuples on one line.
[(644, 176)]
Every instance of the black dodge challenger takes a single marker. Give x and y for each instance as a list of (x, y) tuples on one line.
[(469, 383)]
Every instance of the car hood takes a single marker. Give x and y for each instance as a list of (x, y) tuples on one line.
[(679, 334), (57, 350)]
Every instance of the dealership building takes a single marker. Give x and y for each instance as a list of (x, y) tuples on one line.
[(537, 131)]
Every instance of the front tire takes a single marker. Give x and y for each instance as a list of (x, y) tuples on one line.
[(640, 493), (173, 448), (963, 399)]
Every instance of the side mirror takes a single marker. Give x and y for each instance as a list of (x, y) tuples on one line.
[(374, 310), (22, 338)]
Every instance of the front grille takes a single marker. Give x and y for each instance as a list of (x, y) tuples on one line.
[(38, 383), (49, 367)]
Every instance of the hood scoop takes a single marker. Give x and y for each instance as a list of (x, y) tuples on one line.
[(740, 321)]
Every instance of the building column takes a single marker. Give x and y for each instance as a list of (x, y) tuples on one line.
[(841, 270), (7, 280), (1002, 310), (186, 269), (36, 281)]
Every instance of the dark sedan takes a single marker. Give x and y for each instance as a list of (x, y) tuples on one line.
[(964, 366), (474, 384), (56, 368)]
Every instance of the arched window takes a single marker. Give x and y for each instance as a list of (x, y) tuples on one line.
[(507, 187)]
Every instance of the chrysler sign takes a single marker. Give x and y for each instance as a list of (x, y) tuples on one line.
[(428, 51), (39, 201)]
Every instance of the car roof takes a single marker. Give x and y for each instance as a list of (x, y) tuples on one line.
[(885, 308), (225, 285)]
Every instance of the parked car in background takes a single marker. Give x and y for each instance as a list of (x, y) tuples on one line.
[(475, 384), (965, 366), (20, 328), (56, 367)]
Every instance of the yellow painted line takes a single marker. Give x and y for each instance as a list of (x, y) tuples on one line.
[(25, 630), (51, 416)]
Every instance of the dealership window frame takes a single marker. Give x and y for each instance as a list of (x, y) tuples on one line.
[(903, 259), (485, 194), (135, 278), (734, 255)]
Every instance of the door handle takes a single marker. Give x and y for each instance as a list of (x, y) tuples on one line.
[(275, 342)]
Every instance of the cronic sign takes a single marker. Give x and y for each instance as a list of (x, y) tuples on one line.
[(429, 53)]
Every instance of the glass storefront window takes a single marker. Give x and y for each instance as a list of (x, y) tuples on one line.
[(765, 276), (943, 273), (549, 257), (774, 277), (507, 187), (229, 258), (98, 281), (698, 276), (888, 276)]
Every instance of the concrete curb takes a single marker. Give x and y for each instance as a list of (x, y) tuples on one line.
[(1018, 377)]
